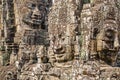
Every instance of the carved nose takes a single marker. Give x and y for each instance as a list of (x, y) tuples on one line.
[(36, 13), (57, 46)]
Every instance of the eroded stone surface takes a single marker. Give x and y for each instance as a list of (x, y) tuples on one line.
[(60, 40)]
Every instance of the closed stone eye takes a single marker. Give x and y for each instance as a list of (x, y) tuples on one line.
[(40, 7), (63, 39), (31, 5)]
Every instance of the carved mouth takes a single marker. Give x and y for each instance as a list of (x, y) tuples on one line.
[(36, 20), (32, 20), (60, 55), (60, 51)]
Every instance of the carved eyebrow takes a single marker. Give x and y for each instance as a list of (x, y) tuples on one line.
[(40, 1), (28, 4)]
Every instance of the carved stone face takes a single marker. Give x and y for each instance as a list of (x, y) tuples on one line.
[(36, 14), (63, 51), (109, 33)]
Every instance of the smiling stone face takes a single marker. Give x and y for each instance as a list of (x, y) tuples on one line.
[(63, 51), (36, 13)]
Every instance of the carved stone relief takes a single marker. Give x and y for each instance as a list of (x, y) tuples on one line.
[(58, 43), (36, 15)]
